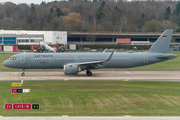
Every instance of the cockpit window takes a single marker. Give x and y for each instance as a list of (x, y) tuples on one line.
[(13, 58)]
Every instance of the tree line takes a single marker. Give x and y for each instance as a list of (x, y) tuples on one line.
[(97, 16)]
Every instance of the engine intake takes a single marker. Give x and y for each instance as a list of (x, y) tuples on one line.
[(71, 69)]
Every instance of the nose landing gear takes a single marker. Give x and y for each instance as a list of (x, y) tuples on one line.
[(23, 74)]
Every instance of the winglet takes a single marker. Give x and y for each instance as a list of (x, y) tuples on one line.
[(93, 62), (105, 50), (109, 57)]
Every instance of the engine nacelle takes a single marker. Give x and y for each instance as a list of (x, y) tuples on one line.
[(71, 69)]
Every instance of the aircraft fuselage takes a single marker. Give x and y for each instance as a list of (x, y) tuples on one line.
[(58, 60)]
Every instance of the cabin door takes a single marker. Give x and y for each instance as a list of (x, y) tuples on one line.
[(22, 59), (77, 58), (145, 56)]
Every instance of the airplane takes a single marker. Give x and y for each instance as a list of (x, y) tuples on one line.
[(72, 63), (46, 46)]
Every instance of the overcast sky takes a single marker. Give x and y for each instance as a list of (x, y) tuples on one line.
[(26, 1)]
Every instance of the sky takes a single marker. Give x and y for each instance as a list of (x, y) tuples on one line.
[(26, 1)]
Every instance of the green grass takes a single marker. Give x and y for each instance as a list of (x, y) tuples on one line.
[(94, 98), (173, 64)]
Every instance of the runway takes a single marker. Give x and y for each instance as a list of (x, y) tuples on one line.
[(163, 76)]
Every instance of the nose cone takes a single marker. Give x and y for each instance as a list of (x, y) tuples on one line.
[(5, 63)]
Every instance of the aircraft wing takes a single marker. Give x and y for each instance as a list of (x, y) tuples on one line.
[(85, 64)]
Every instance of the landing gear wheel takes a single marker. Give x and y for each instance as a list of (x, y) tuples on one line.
[(89, 73), (22, 74)]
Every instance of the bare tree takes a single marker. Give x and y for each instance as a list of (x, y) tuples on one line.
[(118, 15)]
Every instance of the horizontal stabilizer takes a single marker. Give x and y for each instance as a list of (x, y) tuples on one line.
[(166, 57)]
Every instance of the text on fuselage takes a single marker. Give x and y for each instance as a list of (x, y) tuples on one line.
[(43, 55)]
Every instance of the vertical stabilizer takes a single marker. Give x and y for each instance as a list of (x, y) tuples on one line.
[(162, 43)]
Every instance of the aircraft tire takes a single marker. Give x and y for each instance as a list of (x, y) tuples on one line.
[(89, 73), (22, 74)]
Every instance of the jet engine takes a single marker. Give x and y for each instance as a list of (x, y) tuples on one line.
[(71, 69)]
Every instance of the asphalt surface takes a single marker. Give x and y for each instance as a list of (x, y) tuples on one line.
[(127, 117), (161, 76)]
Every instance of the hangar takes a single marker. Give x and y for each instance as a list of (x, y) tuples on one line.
[(23, 37)]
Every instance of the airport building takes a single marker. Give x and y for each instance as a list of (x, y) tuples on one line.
[(117, 38), (23, 37)]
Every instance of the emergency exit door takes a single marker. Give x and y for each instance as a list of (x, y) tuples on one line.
[(145, 56)]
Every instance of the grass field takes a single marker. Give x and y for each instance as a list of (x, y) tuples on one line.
[(173, 64), (94, 98)]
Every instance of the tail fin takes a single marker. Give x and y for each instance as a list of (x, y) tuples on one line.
[(162, 43)]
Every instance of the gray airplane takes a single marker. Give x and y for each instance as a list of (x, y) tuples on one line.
[(72, 63)]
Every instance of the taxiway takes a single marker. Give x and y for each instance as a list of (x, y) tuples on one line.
[(166, 76)]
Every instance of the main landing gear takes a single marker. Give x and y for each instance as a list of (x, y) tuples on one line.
[(88, 73), (23, 74)]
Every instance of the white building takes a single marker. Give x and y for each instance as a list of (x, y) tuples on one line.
[(23, 37)]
